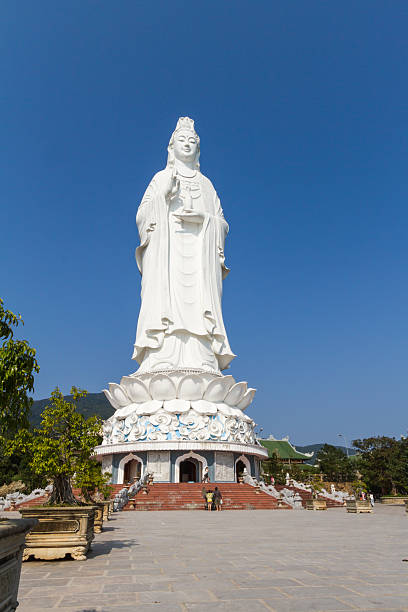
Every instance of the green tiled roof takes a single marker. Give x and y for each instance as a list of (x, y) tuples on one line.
[(283, 449)]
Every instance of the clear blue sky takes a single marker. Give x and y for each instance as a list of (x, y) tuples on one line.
[(302, 111)]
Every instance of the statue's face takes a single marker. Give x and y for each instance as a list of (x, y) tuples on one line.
[(185, 146)]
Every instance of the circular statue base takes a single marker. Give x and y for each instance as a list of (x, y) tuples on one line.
[(177, 423)]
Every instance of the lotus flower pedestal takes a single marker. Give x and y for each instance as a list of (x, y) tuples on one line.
[(161, 415)]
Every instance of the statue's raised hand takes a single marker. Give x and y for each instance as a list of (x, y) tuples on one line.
[(172, 186)]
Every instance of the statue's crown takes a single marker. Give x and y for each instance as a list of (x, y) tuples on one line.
[(185, 123)]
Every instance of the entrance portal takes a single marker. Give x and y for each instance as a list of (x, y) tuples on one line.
[(132, 471), (239, 469), (189, 470)]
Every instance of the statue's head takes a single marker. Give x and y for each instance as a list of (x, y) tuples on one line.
[(184, 143)]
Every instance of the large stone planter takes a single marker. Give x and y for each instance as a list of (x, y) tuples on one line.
[(357, 506), (106, 509), (12, 534), (316, 504), (60, 531), (99, 516), (395, 500)]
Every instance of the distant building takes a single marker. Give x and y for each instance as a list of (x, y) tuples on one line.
[(284, 451)]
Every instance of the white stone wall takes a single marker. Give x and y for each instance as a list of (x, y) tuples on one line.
[(158, 463), (224, 467)]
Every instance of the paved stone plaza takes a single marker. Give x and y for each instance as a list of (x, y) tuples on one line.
[(244, 560)]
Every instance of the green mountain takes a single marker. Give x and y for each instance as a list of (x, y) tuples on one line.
[(314, 448), (93, 403)]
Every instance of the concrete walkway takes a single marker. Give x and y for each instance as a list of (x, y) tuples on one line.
[(288, 561)]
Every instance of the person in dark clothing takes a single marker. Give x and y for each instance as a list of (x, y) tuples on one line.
[(217, 499)]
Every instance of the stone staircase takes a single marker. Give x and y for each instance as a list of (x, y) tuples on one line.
[(305, 495), (188, 496)]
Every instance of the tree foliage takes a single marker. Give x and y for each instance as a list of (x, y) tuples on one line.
[(62, 446), (273, 466), (17, 367), (92, 481), (335, 464), (383, 463)]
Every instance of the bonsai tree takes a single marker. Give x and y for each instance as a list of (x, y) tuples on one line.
[(316, 485), (358, 486), (18, 366), (92, 481), (62, 446)]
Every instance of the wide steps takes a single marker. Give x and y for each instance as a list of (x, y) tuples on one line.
[(188, 496)]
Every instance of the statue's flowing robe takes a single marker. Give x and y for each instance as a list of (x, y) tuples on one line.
[(163, 318)]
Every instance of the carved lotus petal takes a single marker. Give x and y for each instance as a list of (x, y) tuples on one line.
[(246, 399), (225, 409), (124, 412), (149, 407), (204, 407), (136, 389), (235, 412), (119, 394), (177, 406), (218, 388), (236, 393), (162, 387), (190, 387), (111, 399)]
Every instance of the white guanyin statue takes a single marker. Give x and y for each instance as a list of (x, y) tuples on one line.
[(178, 393), (181, 258)]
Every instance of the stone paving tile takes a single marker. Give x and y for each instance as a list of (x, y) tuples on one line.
[(137, 588), (144, 608), (244, 605), (81, 602), (53, 591), (377, 602), (38, 602), (323, 604), (265, 583), (119, 580), (317, 591), (367, 590), (272, 592), (164, 598)]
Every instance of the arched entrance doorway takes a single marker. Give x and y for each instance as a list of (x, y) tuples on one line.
[(239, 469), (189, 470), (198, 461), (132, 471)]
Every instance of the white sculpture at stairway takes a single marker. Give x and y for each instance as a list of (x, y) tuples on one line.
[(178, 392)]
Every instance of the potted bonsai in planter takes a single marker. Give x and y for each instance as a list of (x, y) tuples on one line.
[(59, 448), (358, 505), (95, 491), (316, 503)]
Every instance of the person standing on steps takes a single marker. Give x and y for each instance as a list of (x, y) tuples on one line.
[(206, 477), (210, 496), (204, 496), (217, 499)]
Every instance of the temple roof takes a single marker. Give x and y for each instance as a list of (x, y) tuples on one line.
[(284, 450)]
